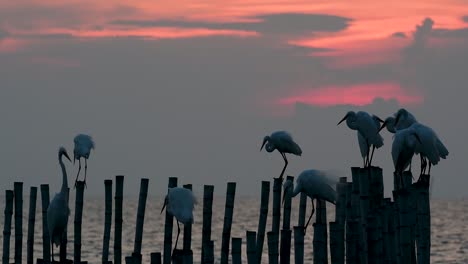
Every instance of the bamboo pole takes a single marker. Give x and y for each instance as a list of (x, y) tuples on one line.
[(276, 205), (251, 247), (107, 220), (336, 243), (207, 216), (285, 246), (340, 215), (355, 211), (264, 201), (351, 225), (156, 258), (18, 189), (140, 217), (376, 190), (387, 233), (320, 233), (396, 223), (364, 205), (302, 209), (272, 238), (424, 220), (404, 228), (287, 208), (298, 244), (236, 250), (187, 232), (340, 219), (9, 196), (228, 214), (77, 222), (372, 239), (209, 253), (119, 181), (45, 230), (168, 228), (31, 222)]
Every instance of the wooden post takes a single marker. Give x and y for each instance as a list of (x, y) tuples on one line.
[(251, 237), (364, 205), (178, 256), (396, 223), (119, 181), (140, 216), (276, 205), (340, 215), (380, 245), (264, 201), (207, 216), (404, 227), (78, 217), (298, 244), (424, 220), (236, 250), (168, 228), (352, 220), (302, 209), (376, 190), (64, 240), (285, 246), (156, 258), (387, 233), (228, 214), (340, 219), (372, 239), (31, 222), (336, 243), (187, 246), (209, 253), (45, 230), (18, 189), (9, 196), (107, 220), (320, 234), (287, 208), (272, 238)]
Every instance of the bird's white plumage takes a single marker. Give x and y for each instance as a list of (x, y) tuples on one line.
[(315, 184), (404, 146), (363, 146), (83, 145), (180, 204), (283, 142)]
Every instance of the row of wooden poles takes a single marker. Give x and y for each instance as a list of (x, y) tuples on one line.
[(368, 228)]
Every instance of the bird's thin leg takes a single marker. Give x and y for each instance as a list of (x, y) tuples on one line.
[(364, 161), (285, 165), (52, 247), (310, 217), (368, 151), (177, 238), (79, 169), (85, 169), (372, 155)]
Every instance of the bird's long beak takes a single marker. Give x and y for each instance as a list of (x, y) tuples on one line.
[(344, 118), (164, 206), (383, 125), (66, 156), (263, 144)]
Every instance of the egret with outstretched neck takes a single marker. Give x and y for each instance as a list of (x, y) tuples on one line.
[(315, 184), (83, 146), (58, 210), (284, 143)]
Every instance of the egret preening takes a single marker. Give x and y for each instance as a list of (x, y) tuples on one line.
[(315, 184), (83, 146), (180, 203), (365, 124), (58, 211), (284, 143)]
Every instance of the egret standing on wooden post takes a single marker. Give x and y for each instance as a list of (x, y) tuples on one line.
[(315, 184), (284, 143), (58, 211), (366, 125), (363, 145), (180, 203), (83, 146)]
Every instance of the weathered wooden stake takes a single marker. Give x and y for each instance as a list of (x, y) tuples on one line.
[(424, 220), (77, 222), (31, 222), (285, 246), (228, 214), (251, 237), (372, 239), (352, 220), (209, 253), (298, 244), (156, 258), (272, 238), (276, 205), (236, 250), (140, 216), (45, 230), (207, 216), (18, 189), (320, 233), (187, 246), (364, 205), (265, 197), (107, 220), (340, 219), (404, 228), (336, 243), (119, 181), (9, 196), (168, 228)]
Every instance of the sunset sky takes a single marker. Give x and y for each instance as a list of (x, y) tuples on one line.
[(189, 88)]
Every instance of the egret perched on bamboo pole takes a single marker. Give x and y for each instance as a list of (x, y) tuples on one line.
[(58, 210), (284, 143), (365, 124), (180, 203), (315, 184), (83, 145)]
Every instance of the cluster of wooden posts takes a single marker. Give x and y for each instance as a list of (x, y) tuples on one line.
[(368, 228)]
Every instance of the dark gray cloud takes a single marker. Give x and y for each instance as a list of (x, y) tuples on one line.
[(465, 18), (399, 35), (287, 23)]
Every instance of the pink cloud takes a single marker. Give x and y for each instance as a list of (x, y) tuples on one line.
[(359, 95)]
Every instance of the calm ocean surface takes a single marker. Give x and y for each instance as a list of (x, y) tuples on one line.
[(449, 228)]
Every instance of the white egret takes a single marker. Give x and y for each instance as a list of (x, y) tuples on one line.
[(180, 203), (284, 143), (315, 184), (58, 211), (365, 124), (363, 146), (404, 146), (83, 145)]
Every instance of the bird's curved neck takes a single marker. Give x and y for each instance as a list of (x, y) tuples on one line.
[(64, 176)]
